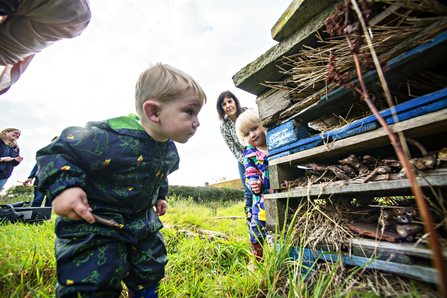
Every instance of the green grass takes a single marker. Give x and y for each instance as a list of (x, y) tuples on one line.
[(197, 267), (27, 263)]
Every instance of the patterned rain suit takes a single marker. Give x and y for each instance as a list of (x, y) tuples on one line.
[(124, 172), (257, 168)]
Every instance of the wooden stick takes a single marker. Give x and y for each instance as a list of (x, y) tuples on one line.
[(31, 185), (107, 222)]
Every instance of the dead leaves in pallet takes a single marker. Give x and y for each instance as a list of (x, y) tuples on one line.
[(367, 168), (349, 168), (324, 222)]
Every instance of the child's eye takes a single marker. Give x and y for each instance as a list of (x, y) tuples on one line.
[(189, 112)]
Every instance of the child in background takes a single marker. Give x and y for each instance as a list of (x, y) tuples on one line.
[(252, 133), (117, 169)]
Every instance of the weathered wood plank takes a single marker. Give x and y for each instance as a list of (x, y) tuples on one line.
[(402, 248), (274, 214), (269, 106), (389, 187), (426, 274), (264, 68), (278, 174), (296, 15)]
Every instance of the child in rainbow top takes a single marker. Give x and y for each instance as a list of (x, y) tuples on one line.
[(252, 133)]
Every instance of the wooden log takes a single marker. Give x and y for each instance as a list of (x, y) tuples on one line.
[(275, 214), (408, 230), (228, 217), (208, 234)]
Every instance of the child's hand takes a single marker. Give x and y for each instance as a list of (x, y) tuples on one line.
[(72, 203), (256, 186), (27, 181), (19, 158), (160, 207)]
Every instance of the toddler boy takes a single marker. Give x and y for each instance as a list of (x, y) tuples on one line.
[(117, 169)]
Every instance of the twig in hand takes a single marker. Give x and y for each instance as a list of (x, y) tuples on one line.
[(107, 222), (31, 185)]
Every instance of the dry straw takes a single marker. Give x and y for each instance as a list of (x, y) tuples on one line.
[(305, 72)]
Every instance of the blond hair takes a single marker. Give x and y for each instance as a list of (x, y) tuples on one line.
[(245, 122), (164, 83), (3, 137)]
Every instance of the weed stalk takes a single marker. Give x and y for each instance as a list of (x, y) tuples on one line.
[(348, 27)]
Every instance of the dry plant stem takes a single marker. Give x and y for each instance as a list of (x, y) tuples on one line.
[(416, 189), (381, 75)]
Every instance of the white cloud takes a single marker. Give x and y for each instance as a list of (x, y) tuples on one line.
[(92, 77)]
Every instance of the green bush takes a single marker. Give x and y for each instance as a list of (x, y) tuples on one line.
[(206, 194), (17, 193)]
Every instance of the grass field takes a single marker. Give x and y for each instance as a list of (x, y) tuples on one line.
[(197, 267)]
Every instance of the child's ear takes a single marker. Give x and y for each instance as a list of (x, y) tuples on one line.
[(151, 109)]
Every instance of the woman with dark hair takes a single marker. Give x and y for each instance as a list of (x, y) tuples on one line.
[(228, 109), (9, 153)]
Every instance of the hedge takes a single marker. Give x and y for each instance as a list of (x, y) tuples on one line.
[(206, 194)]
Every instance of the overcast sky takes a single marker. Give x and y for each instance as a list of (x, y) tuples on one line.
[(92, 77)]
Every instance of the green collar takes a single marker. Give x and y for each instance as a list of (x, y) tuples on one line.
[(125, 122)]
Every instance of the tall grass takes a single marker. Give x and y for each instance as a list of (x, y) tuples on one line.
[(27, 264), (197, 267)]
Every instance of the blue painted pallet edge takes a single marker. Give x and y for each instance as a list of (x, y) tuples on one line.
[(427, 274), (415, 107), (285, 134)]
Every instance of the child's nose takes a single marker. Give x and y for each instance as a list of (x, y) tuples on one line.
[(196, 123)]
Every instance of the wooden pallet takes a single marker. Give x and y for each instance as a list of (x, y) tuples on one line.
[(399, 266), (284, 168)]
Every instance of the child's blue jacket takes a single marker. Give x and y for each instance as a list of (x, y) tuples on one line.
[(119, 166)]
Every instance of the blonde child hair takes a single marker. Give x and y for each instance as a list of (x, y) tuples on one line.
[(245, 122), (164, 83), (3, 137)]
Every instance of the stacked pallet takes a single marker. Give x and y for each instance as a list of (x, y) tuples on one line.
[(311, 120), (318, 131)]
